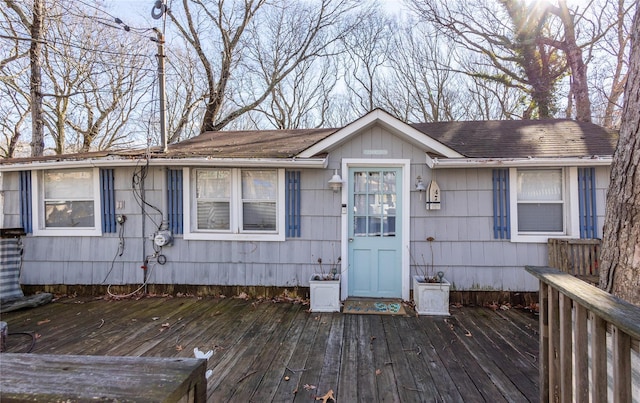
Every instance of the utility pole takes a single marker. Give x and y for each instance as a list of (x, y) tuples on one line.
[(161, 83)]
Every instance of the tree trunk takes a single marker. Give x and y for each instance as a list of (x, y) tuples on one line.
[(35, 53), (620, 268), (579, 84)]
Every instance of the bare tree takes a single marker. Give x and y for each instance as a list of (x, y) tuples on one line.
[(98, 91), (91, 76), (247, 47), (32, 18), (506, 34), (609, 61), (367, 48), (14, 79), (620, 269), (579, 87), (303, 98), (186, 107), (423, 85), (489, 100), (14, 111)]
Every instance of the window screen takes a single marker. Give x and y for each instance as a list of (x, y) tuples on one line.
[(540, 200), (213, 198), (259, 194), (69, 199)]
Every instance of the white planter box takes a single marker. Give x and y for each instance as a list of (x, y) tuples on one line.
[(325, 295), (431, 298)]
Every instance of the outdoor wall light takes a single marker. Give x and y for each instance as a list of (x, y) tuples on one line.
[(420, 187), (335, 182)]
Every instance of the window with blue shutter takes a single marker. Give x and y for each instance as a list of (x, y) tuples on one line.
[(174, 200), (501, 219), (292, 204), (25, 202), (587, 200), (108, 200)]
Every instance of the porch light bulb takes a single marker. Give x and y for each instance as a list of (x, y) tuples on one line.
[(335, 182)]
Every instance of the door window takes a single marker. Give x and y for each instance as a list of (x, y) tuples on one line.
[(374, 203)]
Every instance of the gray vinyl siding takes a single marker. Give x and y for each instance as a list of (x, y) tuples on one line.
[(464, 248)]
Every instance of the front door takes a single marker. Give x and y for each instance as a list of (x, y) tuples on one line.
[(374, 231)]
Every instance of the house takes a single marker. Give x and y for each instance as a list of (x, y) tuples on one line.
[(475, 200)]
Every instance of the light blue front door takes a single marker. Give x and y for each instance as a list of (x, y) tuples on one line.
[(375, 220)]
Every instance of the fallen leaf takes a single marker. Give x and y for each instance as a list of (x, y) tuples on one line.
[(179, 347), (37, 336), (42, 322), (155, 318), (286, 378), (326, 397), (166, 324), (309, 387), (467, 333), (504, 307), (378, 371)]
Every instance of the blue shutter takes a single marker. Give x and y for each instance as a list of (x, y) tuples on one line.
[(587, 199), (292, 204), (174, 200), (25, 202), (108, 200), (501, 213)]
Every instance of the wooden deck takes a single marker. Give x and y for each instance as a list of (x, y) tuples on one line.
[(280, 352)]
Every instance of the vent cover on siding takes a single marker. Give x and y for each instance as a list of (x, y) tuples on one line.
[(293, 204), (587, 199), (174, 200), (25, 201), (501, 219), (107, 199)]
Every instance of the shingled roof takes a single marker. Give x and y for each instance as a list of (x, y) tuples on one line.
[(473, 139), (523, 138), (249, 144)]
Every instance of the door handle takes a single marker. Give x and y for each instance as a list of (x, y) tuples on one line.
[(350, 239)]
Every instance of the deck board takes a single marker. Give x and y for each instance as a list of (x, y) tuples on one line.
[(474, 355)]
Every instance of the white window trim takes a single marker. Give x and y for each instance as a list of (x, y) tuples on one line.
[(236, 200), (37, 209), (571, 208)]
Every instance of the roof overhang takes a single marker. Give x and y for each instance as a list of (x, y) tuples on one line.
[(217, 162), (394, 125), (437, 163)]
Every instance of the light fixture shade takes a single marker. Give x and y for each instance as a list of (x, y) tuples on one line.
[(420, 185), (335, 182)]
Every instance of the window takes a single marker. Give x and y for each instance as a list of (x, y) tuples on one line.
[(68, 202), (232, 203), (544, 203), (540, 201)]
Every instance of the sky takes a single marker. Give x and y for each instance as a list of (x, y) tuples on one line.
[(131, 11)]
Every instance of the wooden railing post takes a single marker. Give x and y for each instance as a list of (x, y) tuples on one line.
[(581, 348), (544, 342), (598, 358), (554, 344), (621, 366), (566, 351)]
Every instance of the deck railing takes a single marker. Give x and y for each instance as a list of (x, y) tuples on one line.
[(578, 257), (574, 319)]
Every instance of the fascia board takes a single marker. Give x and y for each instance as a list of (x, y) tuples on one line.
[(436, 163), (231, 162)]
